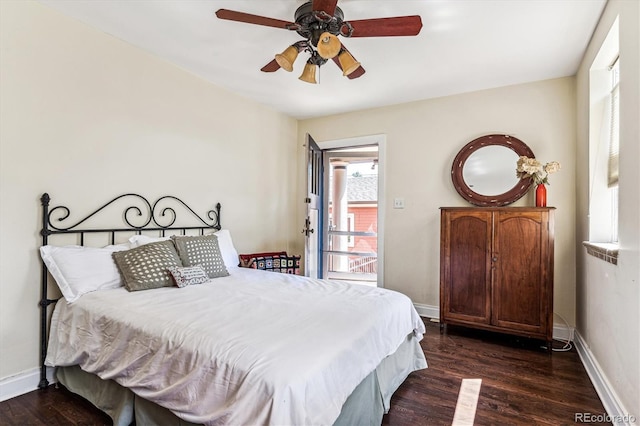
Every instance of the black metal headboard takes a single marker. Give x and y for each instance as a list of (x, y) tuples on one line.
[(139, 215)]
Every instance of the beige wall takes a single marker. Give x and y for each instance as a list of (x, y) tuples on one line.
[(86, 117), (422, 140), (608, 296)]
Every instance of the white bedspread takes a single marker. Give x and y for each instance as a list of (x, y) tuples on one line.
[(253, 348)]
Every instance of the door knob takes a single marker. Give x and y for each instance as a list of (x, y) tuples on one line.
[(307, 230)]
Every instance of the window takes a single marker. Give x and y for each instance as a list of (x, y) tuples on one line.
[(614, 146), (614, 124), (604, 113)]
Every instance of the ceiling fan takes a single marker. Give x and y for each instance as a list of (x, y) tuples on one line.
[(320, 22)]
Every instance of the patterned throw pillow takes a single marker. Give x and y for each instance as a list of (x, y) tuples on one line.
[(188, 275), (145, 267), (203, 251)]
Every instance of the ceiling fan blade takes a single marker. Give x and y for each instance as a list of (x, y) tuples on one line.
[(327, 6), (232, 15), (270, 67), (387, 27)]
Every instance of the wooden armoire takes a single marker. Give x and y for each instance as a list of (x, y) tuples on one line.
[(496, 269)]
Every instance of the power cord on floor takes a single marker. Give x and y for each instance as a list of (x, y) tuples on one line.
[(567, 343)]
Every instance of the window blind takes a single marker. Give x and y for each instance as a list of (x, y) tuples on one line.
[(614, 135)]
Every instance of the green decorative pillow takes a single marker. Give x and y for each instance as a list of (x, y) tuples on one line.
[(201, 250), (146, 267)]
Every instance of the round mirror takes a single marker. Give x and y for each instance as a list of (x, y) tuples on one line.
[(484, 171)]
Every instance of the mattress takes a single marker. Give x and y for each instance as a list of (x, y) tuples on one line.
[(255, 347)]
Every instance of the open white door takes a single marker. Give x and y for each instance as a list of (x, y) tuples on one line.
[(312, 228)]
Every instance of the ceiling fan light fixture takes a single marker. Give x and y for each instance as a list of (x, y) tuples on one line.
[(319, 23), (328, 45), (309, 73), (347, 63), (287, 58)]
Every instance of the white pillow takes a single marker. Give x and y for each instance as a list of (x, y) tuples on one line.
[(79, 270), (140, 240), (117, 247), (228, 251)]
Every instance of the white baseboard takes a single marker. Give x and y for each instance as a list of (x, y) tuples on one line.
[(560, 331), (618, 415), (22, 383), (427, 311), (563, 332)]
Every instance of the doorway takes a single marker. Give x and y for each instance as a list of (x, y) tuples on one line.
[(346, 245), (350, 231)]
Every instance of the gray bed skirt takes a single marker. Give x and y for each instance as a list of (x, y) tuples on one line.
[(365, 406)]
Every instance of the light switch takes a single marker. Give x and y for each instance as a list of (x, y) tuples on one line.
[(398, 203)]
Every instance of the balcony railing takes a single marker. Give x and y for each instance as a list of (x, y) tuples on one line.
[(364, 265)]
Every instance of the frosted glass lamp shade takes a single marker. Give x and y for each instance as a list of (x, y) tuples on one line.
[(348, 63), (328, 45), (287, 58), (309, 74)]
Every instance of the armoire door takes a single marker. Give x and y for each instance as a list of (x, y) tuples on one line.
[(520, 284), (466, 273)]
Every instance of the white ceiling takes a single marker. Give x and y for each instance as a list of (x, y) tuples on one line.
[(464, 45)]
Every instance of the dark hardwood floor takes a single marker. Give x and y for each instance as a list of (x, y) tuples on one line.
[(51, 406), (521, 384)]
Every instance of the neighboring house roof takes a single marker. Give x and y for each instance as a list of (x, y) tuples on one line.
[(362, 188)]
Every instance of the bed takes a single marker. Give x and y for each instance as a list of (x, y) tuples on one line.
[(236, 346)]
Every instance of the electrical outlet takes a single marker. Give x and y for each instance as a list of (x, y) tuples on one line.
[(398, 203)]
